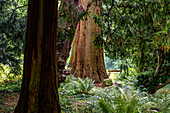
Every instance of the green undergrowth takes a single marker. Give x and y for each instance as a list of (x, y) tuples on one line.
[(6, 74), (81, 96), (8, 102), (9, 82), (112, 99), (11, 86)]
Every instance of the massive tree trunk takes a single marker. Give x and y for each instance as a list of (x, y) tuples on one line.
[(64, 45), (87, 59), (39, 92)]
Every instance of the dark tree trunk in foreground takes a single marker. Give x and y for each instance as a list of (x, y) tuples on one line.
[(87, 59), (39, 92)]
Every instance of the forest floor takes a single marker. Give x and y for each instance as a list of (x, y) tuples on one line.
[(8, 102)]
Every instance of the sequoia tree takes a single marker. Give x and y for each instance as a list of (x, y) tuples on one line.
[(70, 12), (87, 59), (39, 85)]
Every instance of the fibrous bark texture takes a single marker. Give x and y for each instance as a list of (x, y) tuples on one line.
[(87, 59), (64, 46), (39, 92)]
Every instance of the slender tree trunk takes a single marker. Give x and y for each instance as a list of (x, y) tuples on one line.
[(39, 92), (87, 59)]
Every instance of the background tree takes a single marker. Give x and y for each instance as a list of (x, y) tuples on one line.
[(39, 92), (70, 13), (12, 30), (86, 59), (137, 32)]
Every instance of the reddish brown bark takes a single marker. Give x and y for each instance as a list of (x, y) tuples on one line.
[(39, 92), (87, 59), (65, 45)]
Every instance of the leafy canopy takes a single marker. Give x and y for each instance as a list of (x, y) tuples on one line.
[(137, 32), (12, 29)]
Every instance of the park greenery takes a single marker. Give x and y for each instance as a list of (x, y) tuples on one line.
[(81, 95), (135, 39)]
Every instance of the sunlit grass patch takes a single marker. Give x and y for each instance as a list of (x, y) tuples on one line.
[(113, 76)]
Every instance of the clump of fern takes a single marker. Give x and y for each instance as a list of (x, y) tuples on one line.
[(106, 107), (162, 100), (111, 99), (83, 86), (120, 100), (78, 85)]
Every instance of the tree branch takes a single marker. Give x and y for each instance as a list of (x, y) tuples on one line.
[(21, 6), (160, 62), (163, 84)]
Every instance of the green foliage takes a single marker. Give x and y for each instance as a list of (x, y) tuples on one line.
[(137, 33), (8, 102), (107, 100), (78, 85), (147, 81), (9, 82), (106, 107), (11, 86), (12, 29), (163, 100), (76, 100), (5, 73), (120, 100), (83, 86), (132, 27), (129, 76), (68, 82)]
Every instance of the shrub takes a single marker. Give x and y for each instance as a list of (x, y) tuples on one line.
[(148, 81), (128, 77)]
